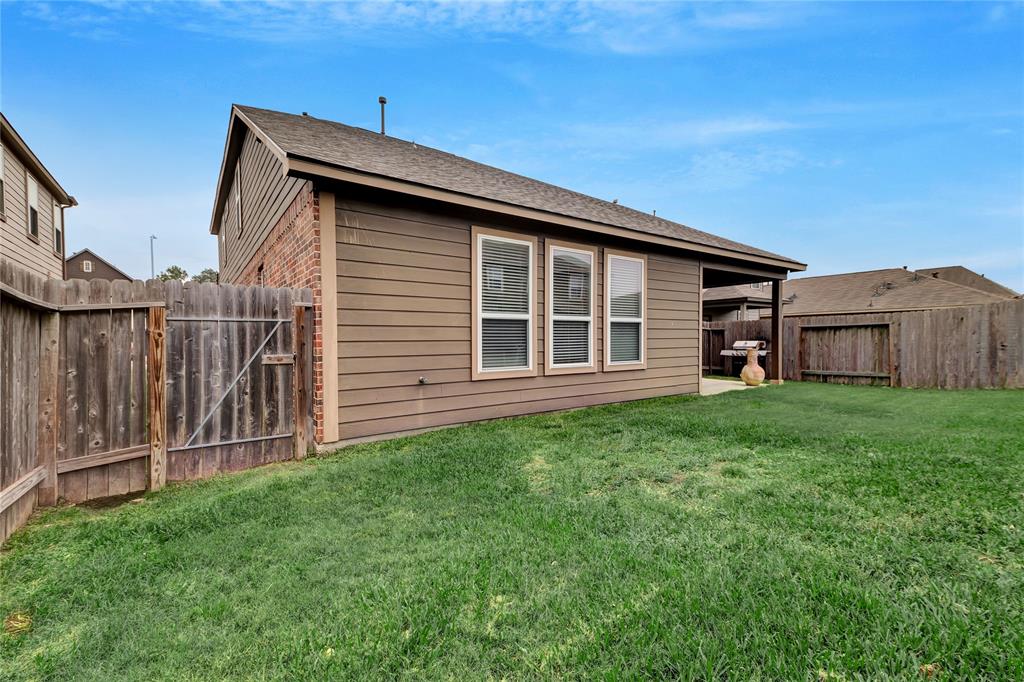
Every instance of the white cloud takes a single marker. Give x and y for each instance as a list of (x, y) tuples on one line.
[(620, 27), (723, 170), (665, 133)]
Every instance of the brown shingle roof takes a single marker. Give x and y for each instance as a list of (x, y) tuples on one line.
[(339, 145), (969, 278), (877, 291)]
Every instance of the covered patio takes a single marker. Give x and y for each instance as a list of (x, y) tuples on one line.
[(720, 274)]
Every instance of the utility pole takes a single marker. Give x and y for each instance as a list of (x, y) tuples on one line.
[(152, 262)]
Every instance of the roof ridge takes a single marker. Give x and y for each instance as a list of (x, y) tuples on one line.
[(1010, 292), (613, 206), (958, 284)]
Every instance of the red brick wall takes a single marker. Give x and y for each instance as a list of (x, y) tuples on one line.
[(290, 257)]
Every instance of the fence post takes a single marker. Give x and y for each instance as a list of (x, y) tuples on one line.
[(49, 381), (157, 390), (777, 331), (299, 381)]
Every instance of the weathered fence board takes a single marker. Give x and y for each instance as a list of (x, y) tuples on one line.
[(110, 388), (966, 347), (23, 310)]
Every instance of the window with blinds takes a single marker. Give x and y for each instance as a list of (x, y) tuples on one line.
[(570, 313), (504, 279), (625, 291)]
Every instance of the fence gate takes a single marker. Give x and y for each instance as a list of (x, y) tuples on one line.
[(232, 354), (160, 381), (855, 353)]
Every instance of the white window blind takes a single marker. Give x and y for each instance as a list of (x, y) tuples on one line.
[(625, 317), (505, 281), (571, 330), (32, 188)]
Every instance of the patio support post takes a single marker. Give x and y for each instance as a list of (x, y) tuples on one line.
[(777, 327)]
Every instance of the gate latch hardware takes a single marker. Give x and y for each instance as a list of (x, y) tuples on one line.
[(279, 358)]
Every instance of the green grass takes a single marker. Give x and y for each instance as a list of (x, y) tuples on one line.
[(794, 532)]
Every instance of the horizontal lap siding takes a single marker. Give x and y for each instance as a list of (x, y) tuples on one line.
[(404, 313), (15, 244), (265, 194)]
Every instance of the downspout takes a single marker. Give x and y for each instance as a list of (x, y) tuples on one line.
[(64, 237)]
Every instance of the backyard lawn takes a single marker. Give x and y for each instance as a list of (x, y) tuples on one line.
[(795, 532)]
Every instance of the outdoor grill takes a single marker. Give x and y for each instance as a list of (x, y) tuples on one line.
[(738, 352)]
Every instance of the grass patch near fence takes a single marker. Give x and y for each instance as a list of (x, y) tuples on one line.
[(793, 532)]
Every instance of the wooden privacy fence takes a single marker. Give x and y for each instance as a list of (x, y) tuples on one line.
[(967, 347), (114, 387)]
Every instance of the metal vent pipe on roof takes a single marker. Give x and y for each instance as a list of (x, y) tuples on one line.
[(383, 100)]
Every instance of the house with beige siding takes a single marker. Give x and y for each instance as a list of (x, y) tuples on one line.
[(32, 205), (447, 291)]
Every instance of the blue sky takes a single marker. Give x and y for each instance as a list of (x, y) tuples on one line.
[(851, 137)]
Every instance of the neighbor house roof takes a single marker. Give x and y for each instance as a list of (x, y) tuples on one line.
[(365, 154), (878, 291), (93, 256), (738, 293), (961, 275), (14, 143)]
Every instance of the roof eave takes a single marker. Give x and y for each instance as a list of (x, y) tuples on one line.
[(232, 148), (29, 157), (304, 166)]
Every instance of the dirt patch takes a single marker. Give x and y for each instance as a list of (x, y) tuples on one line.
[(537, 473)]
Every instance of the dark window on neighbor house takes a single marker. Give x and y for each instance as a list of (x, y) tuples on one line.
[(756, 285), (58, 229), (87, 266), (259, 275), (33, 206)]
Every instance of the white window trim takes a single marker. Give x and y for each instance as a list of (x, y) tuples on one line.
[(549, 304), (478, 371), (611, 256), (87, 266)]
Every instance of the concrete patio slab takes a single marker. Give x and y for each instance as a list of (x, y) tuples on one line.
[(716, 386)]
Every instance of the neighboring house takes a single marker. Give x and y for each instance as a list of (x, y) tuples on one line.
[(32, 207), (889, 290), (737, 302), (447, 291), (85, 264)]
